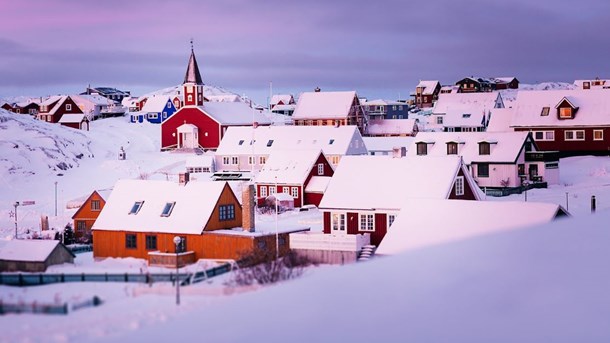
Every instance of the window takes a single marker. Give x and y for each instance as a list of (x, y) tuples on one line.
[(68, 107), (190, 98), (335, 159), (169, 104), (270, 142), (263, 191), (262, 160), (452, 148), (151, 242), (81, 226), (459, 185), (422, 149), (226, 212), (295, 192), (167, 209), (393, 107), (483, 169), (466, 115), (130, 241), (320, 168), (400, 108), (439, 120), (271, 190), (483, 148), (586, 85), (164, 114), (235, 160), (153, 116), (136, 207), (565, 112), (182, 245), (545, 111), (330, 142), (367, 222), (598, 135), (251, 160), (95, 205), (241, 142), (338, 222), (226, 160), (544, 135), (391, 218), (574, 135)]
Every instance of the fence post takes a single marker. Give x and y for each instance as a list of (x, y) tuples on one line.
[(106, 276), (82, 277), (20, 280), (40, 279), (126, 278), (593, 204), (63, 278)]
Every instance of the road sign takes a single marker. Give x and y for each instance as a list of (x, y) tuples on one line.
[(28, 202)]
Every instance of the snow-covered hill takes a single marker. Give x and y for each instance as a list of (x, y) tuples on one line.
[(510, 95), (213, 93)]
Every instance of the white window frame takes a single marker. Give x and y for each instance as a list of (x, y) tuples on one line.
[(251, 160), (546, 135), (263, 191), (320, 168), (391, 219), (574, 135), (294, 192), (366, 222), (226, 160), (262, 160), (272, 190), (602, 135), (234, 160), (68, 107), (286, 190), (439, 120), (459, 186), (338, 222)]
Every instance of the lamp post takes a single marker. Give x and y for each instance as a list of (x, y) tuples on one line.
[(277, 239), (525, 184), (55, 198), (16, 204), (177, 241)]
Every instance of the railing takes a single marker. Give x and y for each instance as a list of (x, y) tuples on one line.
[(36, 307), (334, 242), (542, 156)]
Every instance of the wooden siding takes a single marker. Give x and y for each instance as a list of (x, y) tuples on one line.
[(326, 216), (469, 193), (209, 129), (227, 197), (87, 214), (313, 198), (588, 146)]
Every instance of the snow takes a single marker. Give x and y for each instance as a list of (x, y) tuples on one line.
[(234, 113), (72, 118), (428, 86), (318, 184), (156, 104), (392, 126), (27, 250), (324, 105), (385, 144), (288, 166)]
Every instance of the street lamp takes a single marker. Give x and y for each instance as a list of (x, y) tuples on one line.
[(277, 239), (177, 241), (16, 204), (525, 184), (55, 198)]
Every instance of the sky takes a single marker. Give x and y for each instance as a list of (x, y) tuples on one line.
[(379, 48)]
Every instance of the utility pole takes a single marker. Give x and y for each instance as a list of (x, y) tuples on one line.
[(16, 204), (55, 198)]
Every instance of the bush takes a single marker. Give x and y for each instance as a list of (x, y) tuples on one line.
[(270, 270)]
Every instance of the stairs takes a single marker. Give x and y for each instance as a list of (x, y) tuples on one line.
[(366, 253)]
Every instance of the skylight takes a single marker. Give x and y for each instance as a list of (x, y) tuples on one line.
[(331, 142), (545, 111), (136, 207), (241, 142), (466, 115), (167, 209), (270, 142)]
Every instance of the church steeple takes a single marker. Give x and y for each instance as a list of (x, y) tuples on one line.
[(193, 84)]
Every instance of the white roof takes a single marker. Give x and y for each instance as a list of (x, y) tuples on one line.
[(78, 202), (383, 182), (378, 102), (278, 108), (500, 120), (72, 118), (428, 86), (195, 203), (187, 128), (391, 126), (450, 89), (27, 250), (387, 143), (466, 109), (317, 184), (233, 113), (58, 100), (281, 197), (200, 161), (289, 166), (593, 108), (426, 222), (324, 105), (506, 146), (285, 98), (156, 104), (342, 140), (94, 99)]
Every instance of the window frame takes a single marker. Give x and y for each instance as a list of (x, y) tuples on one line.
[(574, 134), (96, 205), (263, 191), (131, 241), (151, 242), (452, 148), (421, 149), (479, 169), (484, 148), (366, 222), (168, 208), (338, 222), (226, 212), (600, 131), (459, 186), (294, 191), (320, 168), (136, 207)]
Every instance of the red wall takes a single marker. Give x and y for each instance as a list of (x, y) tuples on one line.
[(313, 198), (381, 226), (468, 191), (587, 146), (195, 116)]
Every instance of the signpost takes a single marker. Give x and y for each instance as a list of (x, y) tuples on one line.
[(17, 204)]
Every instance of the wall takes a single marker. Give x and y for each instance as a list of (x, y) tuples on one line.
[(469, 193), (573, 148), (209, 130), (86, 214)]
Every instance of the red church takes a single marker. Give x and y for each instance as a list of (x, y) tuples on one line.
[(201, 124)]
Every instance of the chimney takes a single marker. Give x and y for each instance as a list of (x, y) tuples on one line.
[(184, 178), (398, 152), (317, 90), (247, 208)]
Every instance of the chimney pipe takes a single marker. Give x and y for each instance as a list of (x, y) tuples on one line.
[(247, 206), (398, 152), (184, 178)]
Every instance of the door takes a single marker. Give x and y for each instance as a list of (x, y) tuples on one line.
[(338, 224), (188, 140), (533, 171)]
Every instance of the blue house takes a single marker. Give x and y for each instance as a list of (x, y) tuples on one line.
[(384, 109), (157, 109)]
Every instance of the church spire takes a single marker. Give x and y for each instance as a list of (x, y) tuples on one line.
[(192, 71)]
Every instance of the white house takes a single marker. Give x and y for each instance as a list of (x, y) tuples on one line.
[(386, 145), (329, 109), (461, 112), (247, 148)]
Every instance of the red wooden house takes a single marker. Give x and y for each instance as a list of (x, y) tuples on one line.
[(573, 122), (302, 174), (351, 207), (87, 214), (202, 125), (52, 109), (426, 93)]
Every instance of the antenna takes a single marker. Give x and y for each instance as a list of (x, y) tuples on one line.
[(191, 43)]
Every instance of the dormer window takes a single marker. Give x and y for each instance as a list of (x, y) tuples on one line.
[(566, 109), (586, 85), (270, 142), (545, 111), (136, 207), (565, 112), (422, 148), (167, 209), (484, 148), (452, 148), (241, 142)]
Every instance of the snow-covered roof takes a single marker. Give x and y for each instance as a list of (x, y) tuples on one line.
[(391, 126), (278, 108), (233, 113), (500, 120), (506, 146), (507, 79), (380, 102), (286, 99), (466, 109), (318, 184), (194, 204), (429, 86), (156, 104), (26, 250), (78, 202), (593, 84), (426, 222), (71, 118), (56, 101), (342, 140), (288, 166), (386, 143), (92, 99), (324, 105), (223, 98), (200, 161), (383, 182), (593, 108), (281, 196), (450, 89)]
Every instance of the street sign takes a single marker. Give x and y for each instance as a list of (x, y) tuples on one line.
[(28, 202)]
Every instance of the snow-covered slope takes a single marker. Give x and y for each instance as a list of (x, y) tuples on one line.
[(208, 91), (509, 95)]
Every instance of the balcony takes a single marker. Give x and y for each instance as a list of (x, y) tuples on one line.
[(328, 242), (541, 156)]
